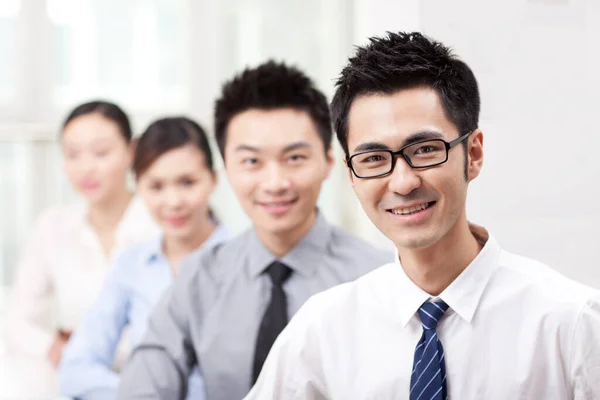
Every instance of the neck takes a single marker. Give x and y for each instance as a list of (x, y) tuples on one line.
[(434, 268), (107, 215), (176, 248), (280, 243)]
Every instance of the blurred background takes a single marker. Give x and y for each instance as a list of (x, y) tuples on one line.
[(537, 62)]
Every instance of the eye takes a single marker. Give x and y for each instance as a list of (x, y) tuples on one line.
[(425, 149), (156, 186), (374, 158), (250, 161), (371, 157), (101, 153), (187, 182), (294, 158)]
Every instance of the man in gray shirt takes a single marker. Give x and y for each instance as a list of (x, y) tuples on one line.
[(230, 302)]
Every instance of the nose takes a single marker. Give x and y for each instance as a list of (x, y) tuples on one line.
[(86, 165), (173, 198), (276, 180), (403, 179)]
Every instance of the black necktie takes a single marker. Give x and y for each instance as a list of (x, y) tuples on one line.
[(275, 317)]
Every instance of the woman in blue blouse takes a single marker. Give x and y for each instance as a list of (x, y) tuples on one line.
[(175, 176)]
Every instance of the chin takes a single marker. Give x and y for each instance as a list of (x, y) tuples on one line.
[(97, 198), (176, 233), (414, 243), (413, 239), (281, 225)]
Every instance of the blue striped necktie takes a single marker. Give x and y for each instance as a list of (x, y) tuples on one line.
[(428, 379)]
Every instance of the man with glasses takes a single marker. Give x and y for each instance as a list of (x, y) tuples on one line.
[(455, 316)]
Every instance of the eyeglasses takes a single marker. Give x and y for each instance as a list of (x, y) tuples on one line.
[(424, 154)]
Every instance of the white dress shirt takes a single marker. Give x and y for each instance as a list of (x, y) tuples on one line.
[(61, 272), (515, 329)]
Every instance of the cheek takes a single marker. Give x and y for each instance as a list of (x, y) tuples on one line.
[(458, 192), (71, 170), (152, 201), (308, 180), (113, 166), (199, 196), (243, 185), (450, 185), (369, 192)]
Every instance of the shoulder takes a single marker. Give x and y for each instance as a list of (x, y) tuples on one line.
[(544, 279), (137, 253), (326, 318), (220, 235), (61, 215), (215, 261), (129, 260), (347, 302), (553, 293), (204, 272), (56, 221), (357, 251)]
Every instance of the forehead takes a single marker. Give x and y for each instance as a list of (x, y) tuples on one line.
[(91, 128), (390, 118), (271, 130), (179, 161)]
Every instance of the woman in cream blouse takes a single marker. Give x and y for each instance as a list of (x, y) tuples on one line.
[(71, 248)]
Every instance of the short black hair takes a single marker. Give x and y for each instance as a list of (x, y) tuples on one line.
[(406, 60), (271, 86)]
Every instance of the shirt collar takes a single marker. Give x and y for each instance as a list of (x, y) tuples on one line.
[(464, 293), (153, 250), (303, 258)]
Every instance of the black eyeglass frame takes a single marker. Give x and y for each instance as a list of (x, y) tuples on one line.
[(394, 154)]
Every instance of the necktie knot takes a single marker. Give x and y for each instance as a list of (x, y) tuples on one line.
[(431, 312), (278, 272)]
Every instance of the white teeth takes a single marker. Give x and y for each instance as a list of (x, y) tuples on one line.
[(410, 210)]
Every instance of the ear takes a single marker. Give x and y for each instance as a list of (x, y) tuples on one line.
[(475, 154), (330, 160)]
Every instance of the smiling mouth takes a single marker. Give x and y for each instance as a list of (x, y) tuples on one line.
[(410, 210)]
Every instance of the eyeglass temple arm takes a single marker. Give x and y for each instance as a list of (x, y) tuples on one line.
[(458, 140)]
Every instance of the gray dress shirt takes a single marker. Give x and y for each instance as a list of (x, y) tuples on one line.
[(211, 314)]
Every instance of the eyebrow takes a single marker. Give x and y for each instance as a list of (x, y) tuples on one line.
[(296, 146), (415, 137), (290, 147), (245, 147)]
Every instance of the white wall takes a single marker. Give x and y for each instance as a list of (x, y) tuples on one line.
[(537, 62), (538, 65), (67, 51)]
